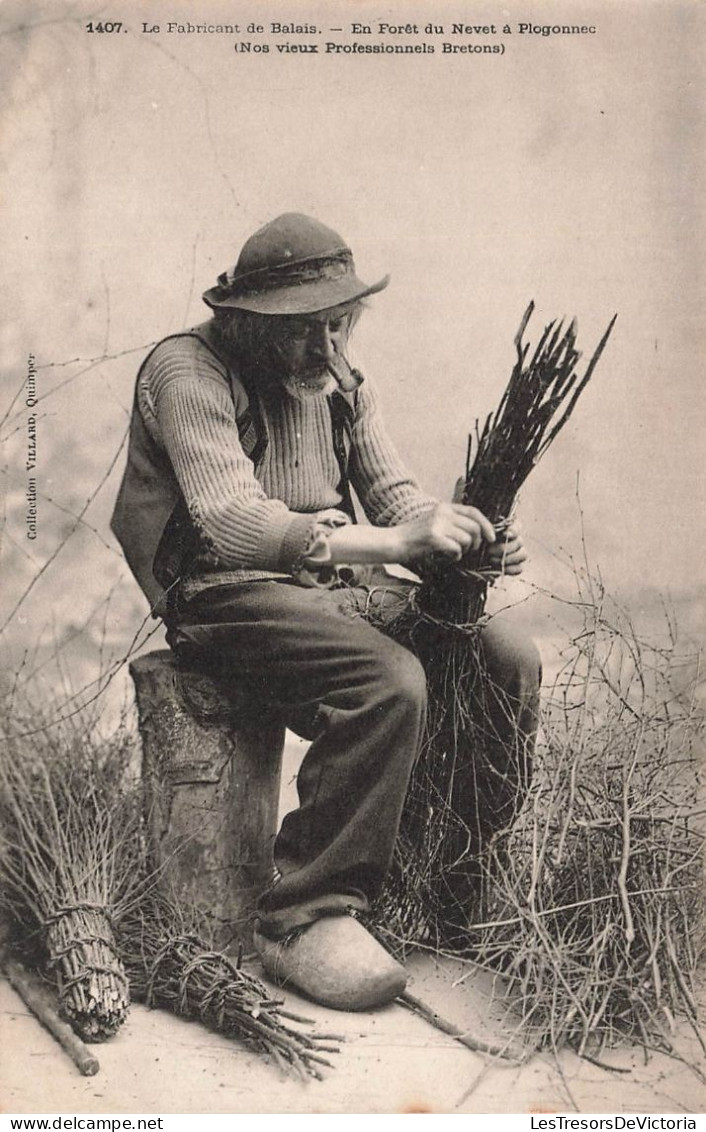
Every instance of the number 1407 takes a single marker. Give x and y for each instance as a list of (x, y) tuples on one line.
[(105, 27)]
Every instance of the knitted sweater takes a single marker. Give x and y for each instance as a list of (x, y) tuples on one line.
[(258, 521)]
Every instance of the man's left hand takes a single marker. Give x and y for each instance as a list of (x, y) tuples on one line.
[(507, 555)]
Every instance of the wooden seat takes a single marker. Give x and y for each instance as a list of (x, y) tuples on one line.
[(211, 777)]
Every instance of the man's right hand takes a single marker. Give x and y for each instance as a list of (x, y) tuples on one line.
[(449, 531)]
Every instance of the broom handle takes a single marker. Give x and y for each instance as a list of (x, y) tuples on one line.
[(42, 1009)]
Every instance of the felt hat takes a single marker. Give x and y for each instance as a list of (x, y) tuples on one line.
[(293, 265)]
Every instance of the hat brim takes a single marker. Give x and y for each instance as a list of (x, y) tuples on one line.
[(298, 298)]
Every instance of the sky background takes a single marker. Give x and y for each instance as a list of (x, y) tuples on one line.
[(567, 170)]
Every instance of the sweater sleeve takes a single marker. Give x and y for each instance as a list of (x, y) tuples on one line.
[(388, 493), (187, 405)]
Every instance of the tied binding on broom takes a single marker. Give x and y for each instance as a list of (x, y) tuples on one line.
[(438, 861)]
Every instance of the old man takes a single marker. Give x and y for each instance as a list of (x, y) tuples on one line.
[(252, 438)]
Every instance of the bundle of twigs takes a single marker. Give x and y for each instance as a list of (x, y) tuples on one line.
[(171, 965), (69, 846), (540, 397), (597, 891), (434, 841)]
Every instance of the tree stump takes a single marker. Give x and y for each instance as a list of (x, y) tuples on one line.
[(211, 778)]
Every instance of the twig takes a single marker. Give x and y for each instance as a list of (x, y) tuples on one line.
[(417, 1006), (603, 1064)]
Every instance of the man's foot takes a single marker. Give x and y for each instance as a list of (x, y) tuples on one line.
[(334, 961)]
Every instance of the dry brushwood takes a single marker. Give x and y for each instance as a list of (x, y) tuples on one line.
[(172, 966), (69, 847), (434, 841), (598, 898)]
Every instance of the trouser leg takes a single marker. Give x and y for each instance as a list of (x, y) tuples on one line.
[(499, 700), (358, 696), (501, 696)]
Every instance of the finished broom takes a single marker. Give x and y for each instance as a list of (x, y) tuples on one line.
[(86, 910), (69, 858), (172, 966)]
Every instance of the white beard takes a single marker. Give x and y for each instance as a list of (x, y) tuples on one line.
[(300, 389)]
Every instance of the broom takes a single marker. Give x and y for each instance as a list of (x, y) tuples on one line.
[(69, 850), (74, 878), (540, 397), (171, 965), (434, 841)]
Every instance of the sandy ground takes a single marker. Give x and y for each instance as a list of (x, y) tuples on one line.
[(391, 1061)]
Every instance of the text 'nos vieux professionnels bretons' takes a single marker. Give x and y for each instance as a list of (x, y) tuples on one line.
[(368, 46)]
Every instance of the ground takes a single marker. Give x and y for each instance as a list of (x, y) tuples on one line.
[(391, 1061)]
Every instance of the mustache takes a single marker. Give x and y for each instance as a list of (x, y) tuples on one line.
[(338, 367)]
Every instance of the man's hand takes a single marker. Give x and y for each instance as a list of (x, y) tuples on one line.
[(450, 531), (507, 554)]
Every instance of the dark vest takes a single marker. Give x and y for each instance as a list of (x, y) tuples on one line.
[(151, 519)]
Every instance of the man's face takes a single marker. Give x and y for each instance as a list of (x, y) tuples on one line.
[(304, 345)]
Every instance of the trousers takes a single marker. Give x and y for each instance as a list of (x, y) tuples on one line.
[(334, 678)]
